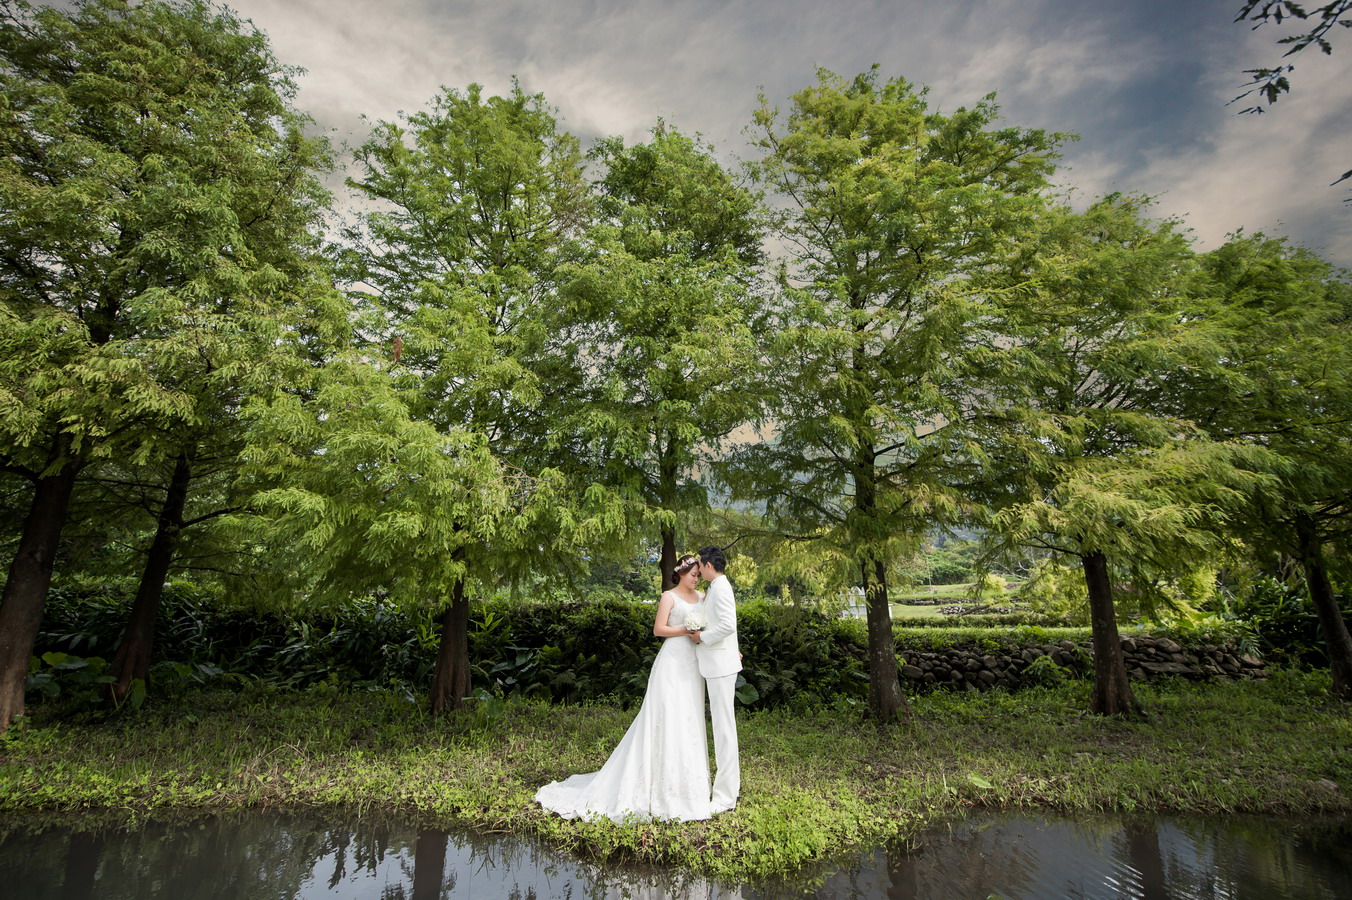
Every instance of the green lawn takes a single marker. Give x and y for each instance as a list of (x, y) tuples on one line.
[(901, 612), (950, 592)]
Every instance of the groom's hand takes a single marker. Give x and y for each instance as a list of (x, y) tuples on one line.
[(694, 636)]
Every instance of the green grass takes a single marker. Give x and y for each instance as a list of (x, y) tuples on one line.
[(815, 783), (901, 612), (955, 593)]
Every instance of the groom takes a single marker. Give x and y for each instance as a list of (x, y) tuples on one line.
[(719, 663)]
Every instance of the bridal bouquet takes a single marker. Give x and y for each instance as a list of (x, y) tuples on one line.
[(695, 620)]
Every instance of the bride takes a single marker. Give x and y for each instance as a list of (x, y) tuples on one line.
[(660, 770)]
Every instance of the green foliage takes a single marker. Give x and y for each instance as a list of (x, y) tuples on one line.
[(1054, 589), (473, 465), (460, 262), (796, 656), (993, 622), (896, 208), (354, 494), (667, 318), (1287, 389), (73, 678), (892, 210), (1046, 672), (154, 254), (990, 586), (1088, 454), (1283, 621), (564, 651), (951, 563)]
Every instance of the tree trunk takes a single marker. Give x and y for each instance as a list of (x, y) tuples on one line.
[(451, 679), (132, 659), (1143, 852), (668, 562), (429, 864), (1337, 641), (82, 865), (1112, 692), (666, 493), (886, 699), (29, 576)]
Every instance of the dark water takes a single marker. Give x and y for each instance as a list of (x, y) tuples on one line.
[(265, 855)]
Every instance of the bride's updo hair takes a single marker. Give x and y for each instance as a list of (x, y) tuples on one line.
[(685, 564)]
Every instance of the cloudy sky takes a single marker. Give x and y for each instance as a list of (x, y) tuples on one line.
[(1144, 83)]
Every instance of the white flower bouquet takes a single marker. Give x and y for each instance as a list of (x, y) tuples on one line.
[(695, 620)]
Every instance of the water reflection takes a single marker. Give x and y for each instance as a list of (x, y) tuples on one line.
[(271, 856), (263, 855), (1017, 857)]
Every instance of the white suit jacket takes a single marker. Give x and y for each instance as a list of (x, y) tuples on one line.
[(717, 650)]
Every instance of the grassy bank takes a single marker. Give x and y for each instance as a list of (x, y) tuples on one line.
[(814, 784)]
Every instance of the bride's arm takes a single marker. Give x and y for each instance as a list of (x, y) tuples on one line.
[(660, 626)]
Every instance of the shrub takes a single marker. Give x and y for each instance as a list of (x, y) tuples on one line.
[(1055, 589)]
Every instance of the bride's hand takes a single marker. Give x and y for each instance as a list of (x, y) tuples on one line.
[(694, 636)]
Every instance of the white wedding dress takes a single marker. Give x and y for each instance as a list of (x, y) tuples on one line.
[(660, 770)]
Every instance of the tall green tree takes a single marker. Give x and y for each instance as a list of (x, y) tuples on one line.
[(673, 354), (153, 173), (1284, 315), (477, 207), (1078, 450), (892, 208)]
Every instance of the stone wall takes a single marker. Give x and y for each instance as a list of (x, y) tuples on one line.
[(971, 669)]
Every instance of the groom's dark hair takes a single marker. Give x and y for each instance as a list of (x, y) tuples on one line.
[(714, 557)]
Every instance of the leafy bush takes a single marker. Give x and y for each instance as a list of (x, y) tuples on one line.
[(1046, 672), (565, 651), (990, 586), (570, 651), (1282, 619), (1054, 589)]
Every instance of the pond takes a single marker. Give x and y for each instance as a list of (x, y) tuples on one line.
[(271, 855)]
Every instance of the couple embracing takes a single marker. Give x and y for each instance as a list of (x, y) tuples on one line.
[(660, 770)]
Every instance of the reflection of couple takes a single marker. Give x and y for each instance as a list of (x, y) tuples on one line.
[(660, 770)]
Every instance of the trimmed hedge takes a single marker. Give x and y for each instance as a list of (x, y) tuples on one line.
[(570, 651)]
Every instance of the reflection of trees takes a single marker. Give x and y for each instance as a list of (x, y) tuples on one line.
[(235, 857), (429, 864), (1143, 853), (1021, 857), (82, 866), (257, 855), (1253, 858)]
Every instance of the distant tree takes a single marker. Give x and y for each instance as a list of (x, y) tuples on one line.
[(1080, 451), (353, 495), (674, 355), (891, 208), (156, 187), (477, 207), (1285, 317)]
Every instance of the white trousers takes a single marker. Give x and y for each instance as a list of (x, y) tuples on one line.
[(728, 779)]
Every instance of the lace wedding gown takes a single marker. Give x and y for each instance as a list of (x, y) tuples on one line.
[(660, 770)]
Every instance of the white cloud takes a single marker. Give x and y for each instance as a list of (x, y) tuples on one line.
[(1145, 83)]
